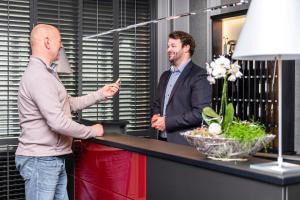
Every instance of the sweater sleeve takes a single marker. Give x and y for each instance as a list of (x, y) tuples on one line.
[(79, 103), (45, 94)]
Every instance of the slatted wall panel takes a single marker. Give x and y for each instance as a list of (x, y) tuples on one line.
[(11, 183), (255, 95)]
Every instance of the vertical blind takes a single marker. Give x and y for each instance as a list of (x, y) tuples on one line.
[(134, 65), (14, 51), (97, 55), (63, 14)]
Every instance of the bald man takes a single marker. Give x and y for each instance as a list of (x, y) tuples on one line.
[(46, 121)]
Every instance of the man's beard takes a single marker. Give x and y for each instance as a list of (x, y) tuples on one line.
[(173, 61)]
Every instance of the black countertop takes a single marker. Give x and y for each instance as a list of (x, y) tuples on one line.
[(190, 156)]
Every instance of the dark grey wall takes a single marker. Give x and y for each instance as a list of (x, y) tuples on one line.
[(198, 29)]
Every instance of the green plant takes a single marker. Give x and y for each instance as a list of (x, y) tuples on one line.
[(244, 131)]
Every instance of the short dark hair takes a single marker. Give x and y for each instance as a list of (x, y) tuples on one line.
[(185, 38)]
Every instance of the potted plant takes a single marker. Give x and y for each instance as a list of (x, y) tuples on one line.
[(225, 137)]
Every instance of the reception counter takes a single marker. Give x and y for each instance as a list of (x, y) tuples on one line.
[(119, 167)]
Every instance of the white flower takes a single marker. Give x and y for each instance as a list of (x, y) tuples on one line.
[(211, 79), (208, 69), (239, 74), (213, 65), (219, 72), (215, 129), (235, 70), (223, 62), (232, 78), (221, 68)]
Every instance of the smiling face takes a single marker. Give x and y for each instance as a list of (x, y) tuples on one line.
[(177, 54)]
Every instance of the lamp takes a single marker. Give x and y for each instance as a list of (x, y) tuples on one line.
[(272, 32)]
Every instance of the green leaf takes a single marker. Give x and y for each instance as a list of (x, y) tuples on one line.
[(210, 116), (228, 117), (208, 111)]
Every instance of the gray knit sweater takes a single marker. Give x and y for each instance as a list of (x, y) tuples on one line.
[(45, 112)]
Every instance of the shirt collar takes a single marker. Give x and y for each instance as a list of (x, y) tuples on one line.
[(52, 67), (180, 68)]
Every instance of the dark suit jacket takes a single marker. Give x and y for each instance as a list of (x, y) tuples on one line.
[(189, 96)]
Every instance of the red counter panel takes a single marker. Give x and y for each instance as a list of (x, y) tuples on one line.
[(108, 173)]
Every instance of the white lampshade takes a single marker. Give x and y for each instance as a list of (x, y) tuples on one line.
[(272, 32), (272, 28)]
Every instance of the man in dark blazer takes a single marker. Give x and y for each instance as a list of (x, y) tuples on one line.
[(183, 91)]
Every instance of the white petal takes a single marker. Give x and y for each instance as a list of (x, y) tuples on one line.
[(213, 64), (224, 62), (239, 74), (219, 72), (211, 80), (208, 69), (232, 78)]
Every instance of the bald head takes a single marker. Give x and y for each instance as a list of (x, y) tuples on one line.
[(45, 42), (42, 31)]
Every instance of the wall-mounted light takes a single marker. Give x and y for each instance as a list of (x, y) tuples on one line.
[(174, 17)]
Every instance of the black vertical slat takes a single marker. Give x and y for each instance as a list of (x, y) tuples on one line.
[(79, 52), (274, 98), (7, 171), (116, 22), (267, 97), (261, 83), (243, 91), (249, 64), (237, 96), (255, 85), (288, 106)]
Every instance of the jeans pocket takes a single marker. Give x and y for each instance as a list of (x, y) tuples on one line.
[(25, 165), (50, 171)]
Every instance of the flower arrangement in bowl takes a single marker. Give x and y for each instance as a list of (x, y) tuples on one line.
[(226, 137)]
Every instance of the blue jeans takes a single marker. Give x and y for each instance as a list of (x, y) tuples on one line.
[(45, 177)]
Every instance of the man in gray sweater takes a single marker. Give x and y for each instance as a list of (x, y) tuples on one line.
[(46, 120)]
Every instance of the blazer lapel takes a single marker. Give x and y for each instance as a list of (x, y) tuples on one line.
[(181, 79), (164, 87)]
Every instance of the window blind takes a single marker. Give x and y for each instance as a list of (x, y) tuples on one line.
[(97, 55), (14, 51), (134, 65), (133, 60), (64, 15)]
